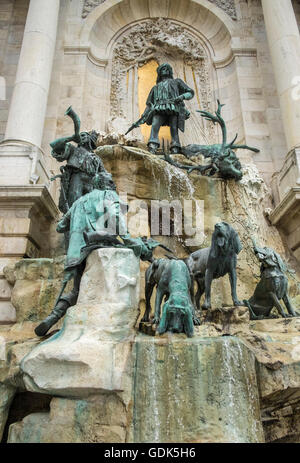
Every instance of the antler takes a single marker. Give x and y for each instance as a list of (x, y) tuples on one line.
[(218, 119), (245, 147), (189, 169), (232, 143)]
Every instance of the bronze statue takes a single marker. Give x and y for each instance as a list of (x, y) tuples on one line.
[(272, 287), (214, 262), (83, 217), (95, 220), (82, 164), (172, 280), (224, 161), (165, 107)]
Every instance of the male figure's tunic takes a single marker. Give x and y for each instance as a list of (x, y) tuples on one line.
[(164, 111)]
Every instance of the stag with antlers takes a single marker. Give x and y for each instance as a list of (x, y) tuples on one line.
[(223, 158)]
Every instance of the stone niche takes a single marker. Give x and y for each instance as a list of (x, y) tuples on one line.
[(120, 45), (138, 52)]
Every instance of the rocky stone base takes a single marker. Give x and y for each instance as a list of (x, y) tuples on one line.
[(101, 418), (92, 351), (163, 375)]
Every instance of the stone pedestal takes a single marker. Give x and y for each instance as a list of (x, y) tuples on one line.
[(92, 352), (22, 164), (26, 213), (286, 217)]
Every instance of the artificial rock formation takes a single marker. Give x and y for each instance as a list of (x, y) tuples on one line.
[(36, 283), (99, 419), (91, 352), (194, 390), (232, 381), (241, 204), (100, 362)]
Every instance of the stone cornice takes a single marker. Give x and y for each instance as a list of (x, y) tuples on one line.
[(285, 208), (28, 196)]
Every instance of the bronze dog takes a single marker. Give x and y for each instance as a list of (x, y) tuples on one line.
[(173, 281), (210, 263), (272, 287)]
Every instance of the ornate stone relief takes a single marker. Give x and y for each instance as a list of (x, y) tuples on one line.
[(161, 40), (227, 5), (89, 5)]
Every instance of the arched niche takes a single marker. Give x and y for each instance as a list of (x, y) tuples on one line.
[(112, 15), (135, 54), (199, 22)]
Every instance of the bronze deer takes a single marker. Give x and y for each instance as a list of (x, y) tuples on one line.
[(223, 158)]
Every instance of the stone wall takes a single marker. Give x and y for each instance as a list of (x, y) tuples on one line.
[(267, 113)]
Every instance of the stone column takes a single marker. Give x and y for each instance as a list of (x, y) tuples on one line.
[(29, 101), (26, 206), (284, 41)]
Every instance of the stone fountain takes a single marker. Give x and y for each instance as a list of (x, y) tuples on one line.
[(96, 378)]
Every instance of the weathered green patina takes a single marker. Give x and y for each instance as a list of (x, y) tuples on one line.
[(82, 164), (173, 281), (272, 287), (224, 161), (95, 220), (97, 210)]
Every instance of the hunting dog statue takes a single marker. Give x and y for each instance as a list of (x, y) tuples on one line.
[(214, 262), (272, 287), (173, 281)]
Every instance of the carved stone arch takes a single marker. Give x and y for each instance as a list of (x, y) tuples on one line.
[(222, 8), (206, 22), (162, 40), (200, 14)]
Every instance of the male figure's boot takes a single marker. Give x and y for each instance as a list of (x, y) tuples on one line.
[(57, 313), (152, 147)]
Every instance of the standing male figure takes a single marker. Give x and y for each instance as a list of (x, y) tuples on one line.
[(165, 107), (82, 164)]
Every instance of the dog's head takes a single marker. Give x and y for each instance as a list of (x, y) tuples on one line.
[(177, 315), (269, 258), (225, 240)]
